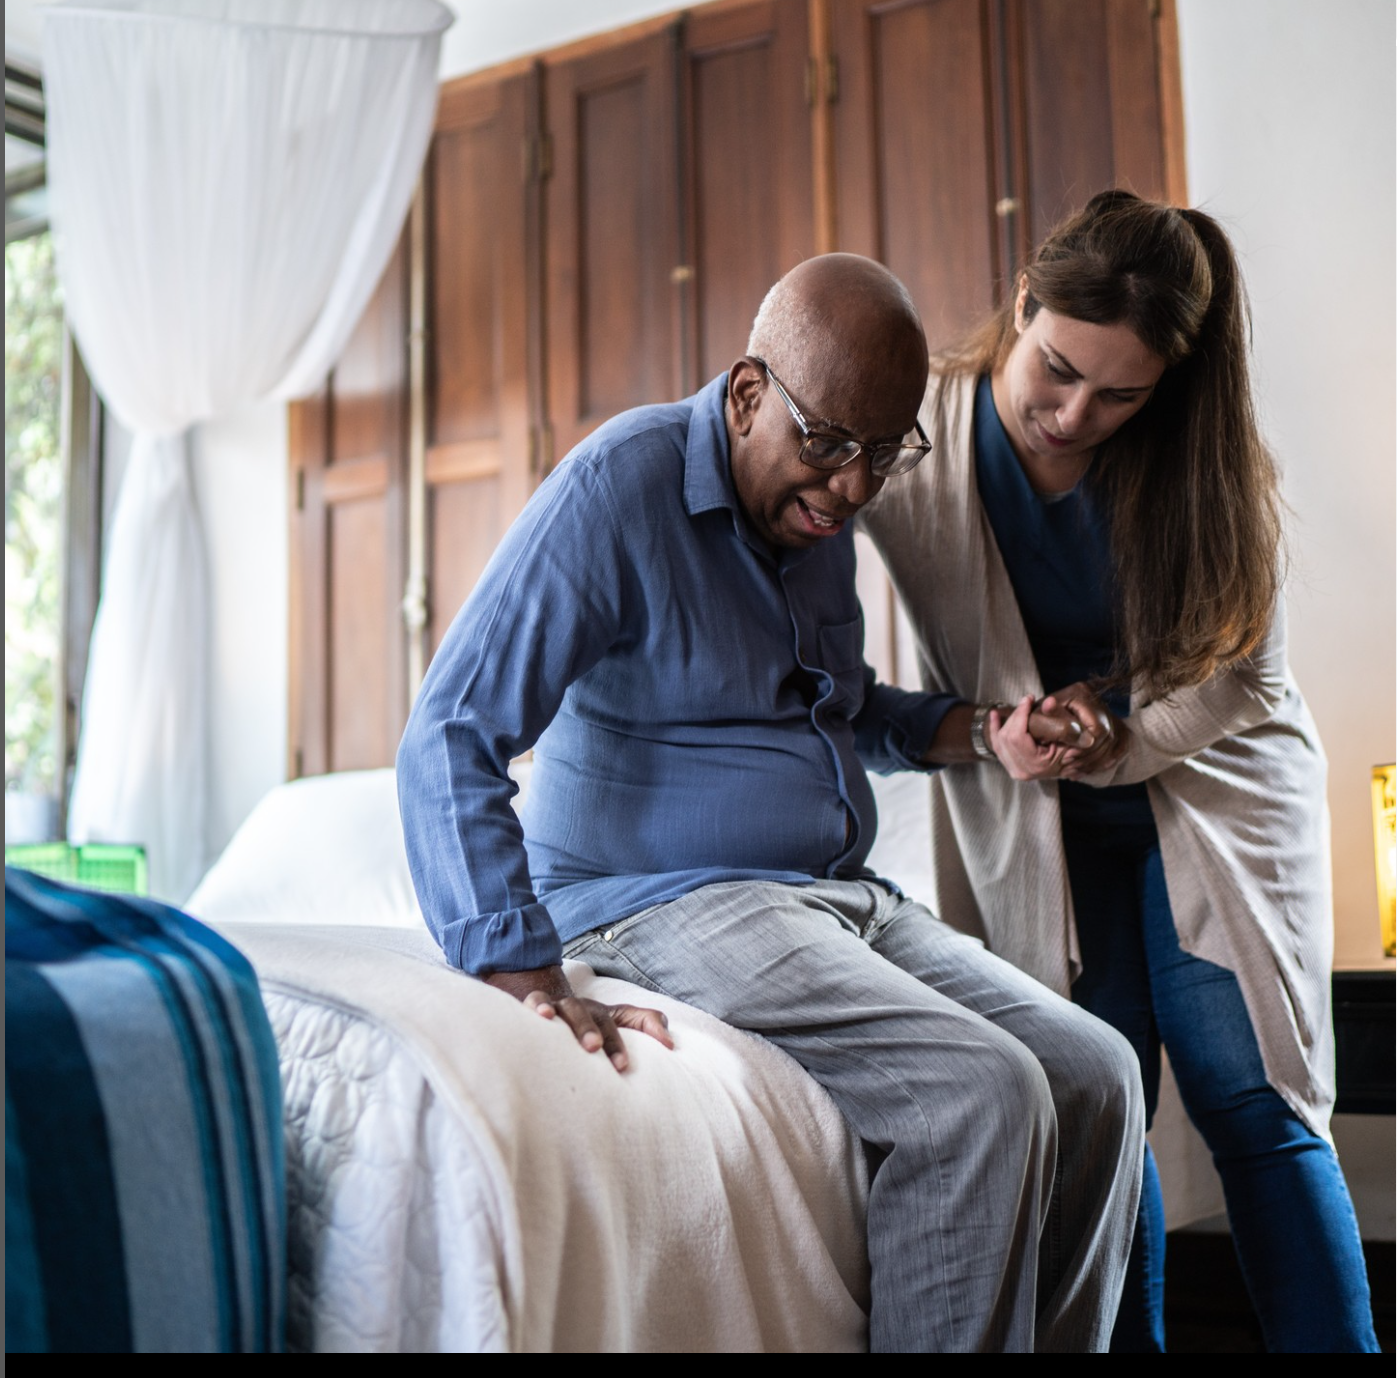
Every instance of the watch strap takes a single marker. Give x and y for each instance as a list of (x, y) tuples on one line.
[(978, 720)]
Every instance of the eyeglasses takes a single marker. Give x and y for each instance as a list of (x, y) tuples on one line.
[(820, 450)]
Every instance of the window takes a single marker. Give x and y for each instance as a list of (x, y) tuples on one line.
[(33, 537), (52, 503)]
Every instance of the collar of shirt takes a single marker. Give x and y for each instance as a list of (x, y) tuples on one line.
[(708, 473)]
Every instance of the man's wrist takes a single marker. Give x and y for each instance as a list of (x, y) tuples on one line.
[(979, 721), (550, 981)]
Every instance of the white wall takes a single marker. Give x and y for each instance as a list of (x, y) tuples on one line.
[(1289, 111), (240, 466), (487, 33)]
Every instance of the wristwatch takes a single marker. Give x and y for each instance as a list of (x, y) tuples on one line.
[(977, 728)]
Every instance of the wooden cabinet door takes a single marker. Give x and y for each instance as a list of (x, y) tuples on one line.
[(1090, 103), (482, 303), (612, 235), (915, 136), (748, 186), (962, 130), (965, 129), (913, 89), (348, 558)]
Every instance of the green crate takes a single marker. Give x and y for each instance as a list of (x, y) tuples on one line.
[(98, 865)]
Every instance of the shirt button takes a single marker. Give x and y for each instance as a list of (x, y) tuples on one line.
[(606, 937)]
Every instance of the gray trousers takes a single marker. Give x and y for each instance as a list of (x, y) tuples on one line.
[(1010, 1123)]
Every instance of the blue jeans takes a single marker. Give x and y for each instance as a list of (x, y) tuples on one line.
[(1292, 1221), (1007, 1121)]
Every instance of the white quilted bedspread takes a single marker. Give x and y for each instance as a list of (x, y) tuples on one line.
[(462, 1177)]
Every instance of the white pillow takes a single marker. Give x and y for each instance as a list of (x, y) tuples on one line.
[(329, 849), (325, 849)]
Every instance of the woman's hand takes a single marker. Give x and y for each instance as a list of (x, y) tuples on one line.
[(1104, 736), (1034, 742)]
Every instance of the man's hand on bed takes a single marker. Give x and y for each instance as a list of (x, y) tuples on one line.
[(548, 993)]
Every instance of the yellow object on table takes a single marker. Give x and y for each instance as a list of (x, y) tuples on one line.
[(1385, 852)]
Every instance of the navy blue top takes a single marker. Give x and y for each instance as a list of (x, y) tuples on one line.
[(1057, 551), (698, 705)]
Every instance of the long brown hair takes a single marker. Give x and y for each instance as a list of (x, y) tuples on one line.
[(1187, 483)]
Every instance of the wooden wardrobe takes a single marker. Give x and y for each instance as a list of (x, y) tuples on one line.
[(595, 229)]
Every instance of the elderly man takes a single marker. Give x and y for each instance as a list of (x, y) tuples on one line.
[(672, 625)]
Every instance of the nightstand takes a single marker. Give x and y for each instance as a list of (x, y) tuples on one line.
[(1365, 1016)]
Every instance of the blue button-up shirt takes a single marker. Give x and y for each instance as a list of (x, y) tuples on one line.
[(698, 704)]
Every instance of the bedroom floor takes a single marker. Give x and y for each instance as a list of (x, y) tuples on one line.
[(1206, 1307)]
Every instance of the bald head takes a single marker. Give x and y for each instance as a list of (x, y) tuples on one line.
[(845, 360), (840, 324)]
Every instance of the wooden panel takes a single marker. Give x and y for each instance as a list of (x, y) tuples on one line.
[(362, 731), (1171, 102), (308, 441), (1067, 107), (612, 235), (348, 448), (1091, 103), (750, 218), (914, 151), (465, 524), (1137, 147), (481, 299), (476, 274), (367, 398), (462, 462), (349, 479)]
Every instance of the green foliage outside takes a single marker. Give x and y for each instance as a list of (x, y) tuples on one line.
[(33, 515)]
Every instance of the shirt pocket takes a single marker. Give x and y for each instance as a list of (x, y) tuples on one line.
[(841, 663)]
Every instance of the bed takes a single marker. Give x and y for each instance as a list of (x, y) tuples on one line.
[(461, 1178)]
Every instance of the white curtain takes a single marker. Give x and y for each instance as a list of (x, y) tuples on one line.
[(227, 179)]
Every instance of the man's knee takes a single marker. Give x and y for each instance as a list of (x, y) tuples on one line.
[(1103, 1081), (1009, 1090)]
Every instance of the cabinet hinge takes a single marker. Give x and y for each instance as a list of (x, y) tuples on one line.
[(301, 489), (831, 79), (298, 764), (812, 79)]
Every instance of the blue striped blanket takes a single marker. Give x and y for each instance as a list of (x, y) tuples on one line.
[(144, 1172)]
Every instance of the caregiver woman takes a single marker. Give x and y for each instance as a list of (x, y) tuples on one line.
[(1099, 518)]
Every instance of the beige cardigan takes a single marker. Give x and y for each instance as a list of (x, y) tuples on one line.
[(1235, 772)]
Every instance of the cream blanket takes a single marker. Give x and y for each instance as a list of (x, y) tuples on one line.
[(463, 1177)]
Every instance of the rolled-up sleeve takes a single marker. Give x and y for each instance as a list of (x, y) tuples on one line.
[(544, 612), (894, 728)]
